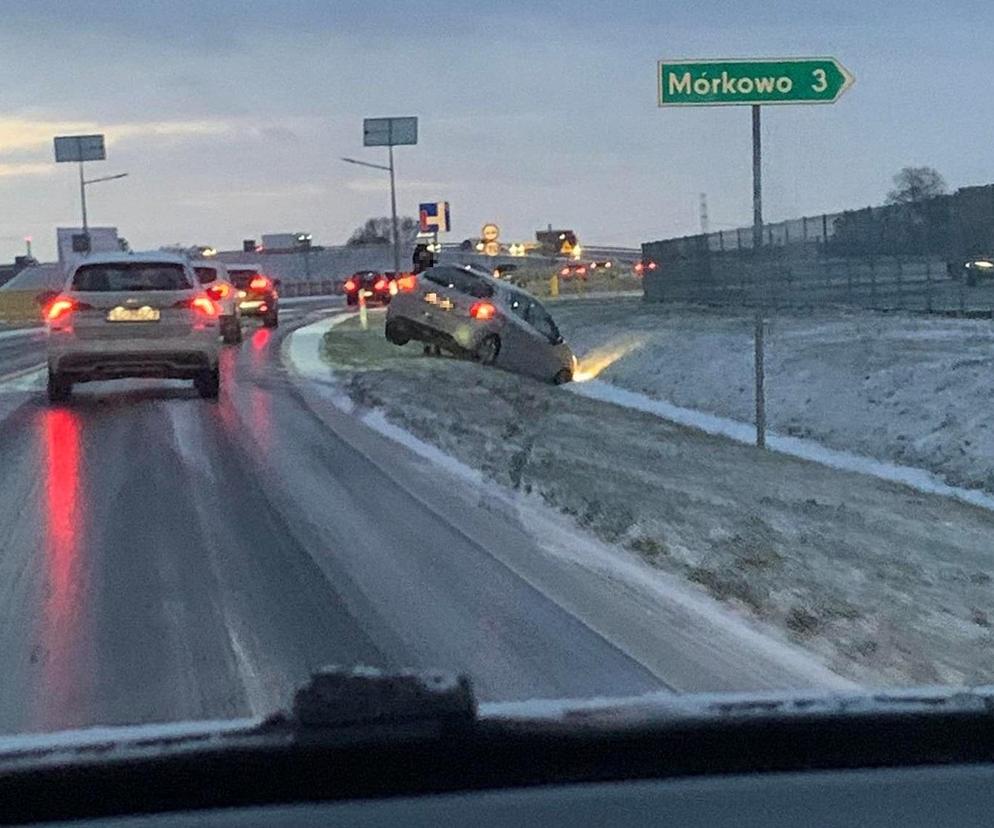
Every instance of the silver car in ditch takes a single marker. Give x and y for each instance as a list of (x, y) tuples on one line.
[(471, 314)]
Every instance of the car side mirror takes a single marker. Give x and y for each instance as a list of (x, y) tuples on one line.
[(45, 297)]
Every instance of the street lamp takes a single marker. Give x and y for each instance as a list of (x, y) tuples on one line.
[(83, 184), (393, 203)]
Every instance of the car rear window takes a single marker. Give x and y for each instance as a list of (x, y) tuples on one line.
[(131, 276), (241, 278), (205, 275)]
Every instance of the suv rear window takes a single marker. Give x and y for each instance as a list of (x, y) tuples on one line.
[(241, 278), (205, 275), (131, 276)]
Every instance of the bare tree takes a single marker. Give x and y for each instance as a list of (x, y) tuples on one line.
[(913, 185), (378, 231)]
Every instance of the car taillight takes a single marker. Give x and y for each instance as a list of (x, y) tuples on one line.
[(582, 270), (350, 286), (564, 272), (380, 285), (219, 291), (483, 311), (406, 283), (201, 304), (652, 265), (60, 307), (259, 283)]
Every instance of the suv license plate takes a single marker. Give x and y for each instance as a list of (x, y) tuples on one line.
[(142, 314)]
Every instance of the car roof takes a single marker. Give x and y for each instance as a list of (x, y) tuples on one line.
[(116, 257), (241, 266)]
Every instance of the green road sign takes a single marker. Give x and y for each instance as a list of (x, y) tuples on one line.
[(759, 81)]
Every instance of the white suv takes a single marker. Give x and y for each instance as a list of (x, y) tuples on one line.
[(213, 275), (132, 315)]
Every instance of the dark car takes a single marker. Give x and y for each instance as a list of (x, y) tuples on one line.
[(257, 293), (374, 284), (574, 270)]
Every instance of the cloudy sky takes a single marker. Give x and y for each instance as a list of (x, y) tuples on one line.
[(230, 117)]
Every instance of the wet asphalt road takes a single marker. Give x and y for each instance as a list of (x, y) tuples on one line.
[(165, 558)]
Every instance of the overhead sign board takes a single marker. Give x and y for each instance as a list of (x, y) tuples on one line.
[(433, 217), (80, 148), (751, 81), (389, 132)]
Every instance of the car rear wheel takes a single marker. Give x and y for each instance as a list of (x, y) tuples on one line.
[(564, 376), (59, 388), (271, 320), (488, 349), (208, 384), (396, 332)]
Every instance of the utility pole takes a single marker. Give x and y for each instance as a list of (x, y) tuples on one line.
[(705, 224), (757, 180), (393, 217)]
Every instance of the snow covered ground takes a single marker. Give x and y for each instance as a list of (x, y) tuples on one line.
[(906, 389), (885, 584)]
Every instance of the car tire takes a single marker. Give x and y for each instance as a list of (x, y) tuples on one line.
[(487, 351), (351, 301), (59, 388), (396, 332), (271, 320), (208, 384), (563, 376)]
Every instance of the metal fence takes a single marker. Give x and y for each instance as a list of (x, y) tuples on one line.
[(913, 283)]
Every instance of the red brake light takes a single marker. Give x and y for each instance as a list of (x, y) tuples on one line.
[(639, 267), (407, 283), (380, 285), (60, 306), (582, 270), (350, 286), (259, 283), (564, 272), (219, 291), (200, 304), (482, 311), (652, 265)]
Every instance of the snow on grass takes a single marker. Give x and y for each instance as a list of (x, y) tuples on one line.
[(885, 584), (912, 392)]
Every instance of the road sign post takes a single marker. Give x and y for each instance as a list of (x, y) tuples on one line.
[(755, 83), (390, 132)]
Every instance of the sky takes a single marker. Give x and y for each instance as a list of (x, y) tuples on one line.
[(230, 118)]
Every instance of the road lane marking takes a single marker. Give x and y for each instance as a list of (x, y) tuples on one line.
[(21, 373)]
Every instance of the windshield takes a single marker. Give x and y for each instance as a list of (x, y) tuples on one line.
[(130, 277), (724, 424)]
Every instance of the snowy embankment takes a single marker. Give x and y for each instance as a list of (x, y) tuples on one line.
[(885, 584), (910, 390)]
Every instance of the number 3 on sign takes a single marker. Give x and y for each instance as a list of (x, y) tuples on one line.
[(821, 80)]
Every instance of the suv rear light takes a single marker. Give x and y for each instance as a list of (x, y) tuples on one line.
[(482, 311), (564, 272), (406, 283), (201, 304), (62, 306), (381, 285), (350, 286), (259, 283), (219, 291)]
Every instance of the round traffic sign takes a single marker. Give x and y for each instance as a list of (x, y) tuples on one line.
[(490, 233)]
